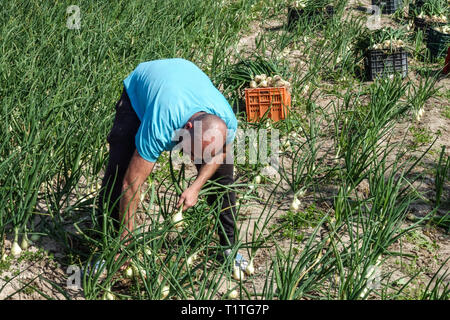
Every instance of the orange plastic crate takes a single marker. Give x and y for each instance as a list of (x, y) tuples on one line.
[(259, 100)]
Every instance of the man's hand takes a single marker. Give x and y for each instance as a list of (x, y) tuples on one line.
[(188, 198)]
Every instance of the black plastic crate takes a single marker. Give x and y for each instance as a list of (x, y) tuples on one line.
[(388, 6), (415, 7), (293, 16), (329, 11), (422, 24), (384, 63), (437, 43), (295, 13)]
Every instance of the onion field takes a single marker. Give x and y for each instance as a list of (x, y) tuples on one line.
[(357, 207)]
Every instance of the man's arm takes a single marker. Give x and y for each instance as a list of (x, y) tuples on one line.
[(190, 196), (135, 176)]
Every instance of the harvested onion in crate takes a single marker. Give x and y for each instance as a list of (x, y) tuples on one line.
[(263, 81)]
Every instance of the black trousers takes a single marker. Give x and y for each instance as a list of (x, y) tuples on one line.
[(121, 149)]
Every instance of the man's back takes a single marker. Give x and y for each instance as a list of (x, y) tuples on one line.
[(164, 95)]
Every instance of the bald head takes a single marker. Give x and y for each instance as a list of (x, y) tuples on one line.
[(208, 136), (211, 123)]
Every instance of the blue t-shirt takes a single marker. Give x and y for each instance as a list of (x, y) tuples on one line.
[(165, 94)]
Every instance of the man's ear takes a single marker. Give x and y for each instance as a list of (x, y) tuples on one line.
[(188, 125)]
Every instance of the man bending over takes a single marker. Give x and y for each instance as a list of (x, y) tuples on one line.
[(159, 98)]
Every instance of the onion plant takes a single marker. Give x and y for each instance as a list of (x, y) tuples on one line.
[(432, 8), (365, 130), (441, 176), (438, 288)]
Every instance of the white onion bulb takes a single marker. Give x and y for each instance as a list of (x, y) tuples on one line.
[(128, 273), (16, 250), (238, 274), (301, 193), (177, 219), (253, 84), (286, 144), (370, 272), (295, 205), (24, 244), (418, 117), (258, 179), (421, 111), (148, 251), (363, 293), (233, 294), (279, 83), (108, 296), (250, 268), (305, 89), (263, 84), (190, 260), (165, 292)]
